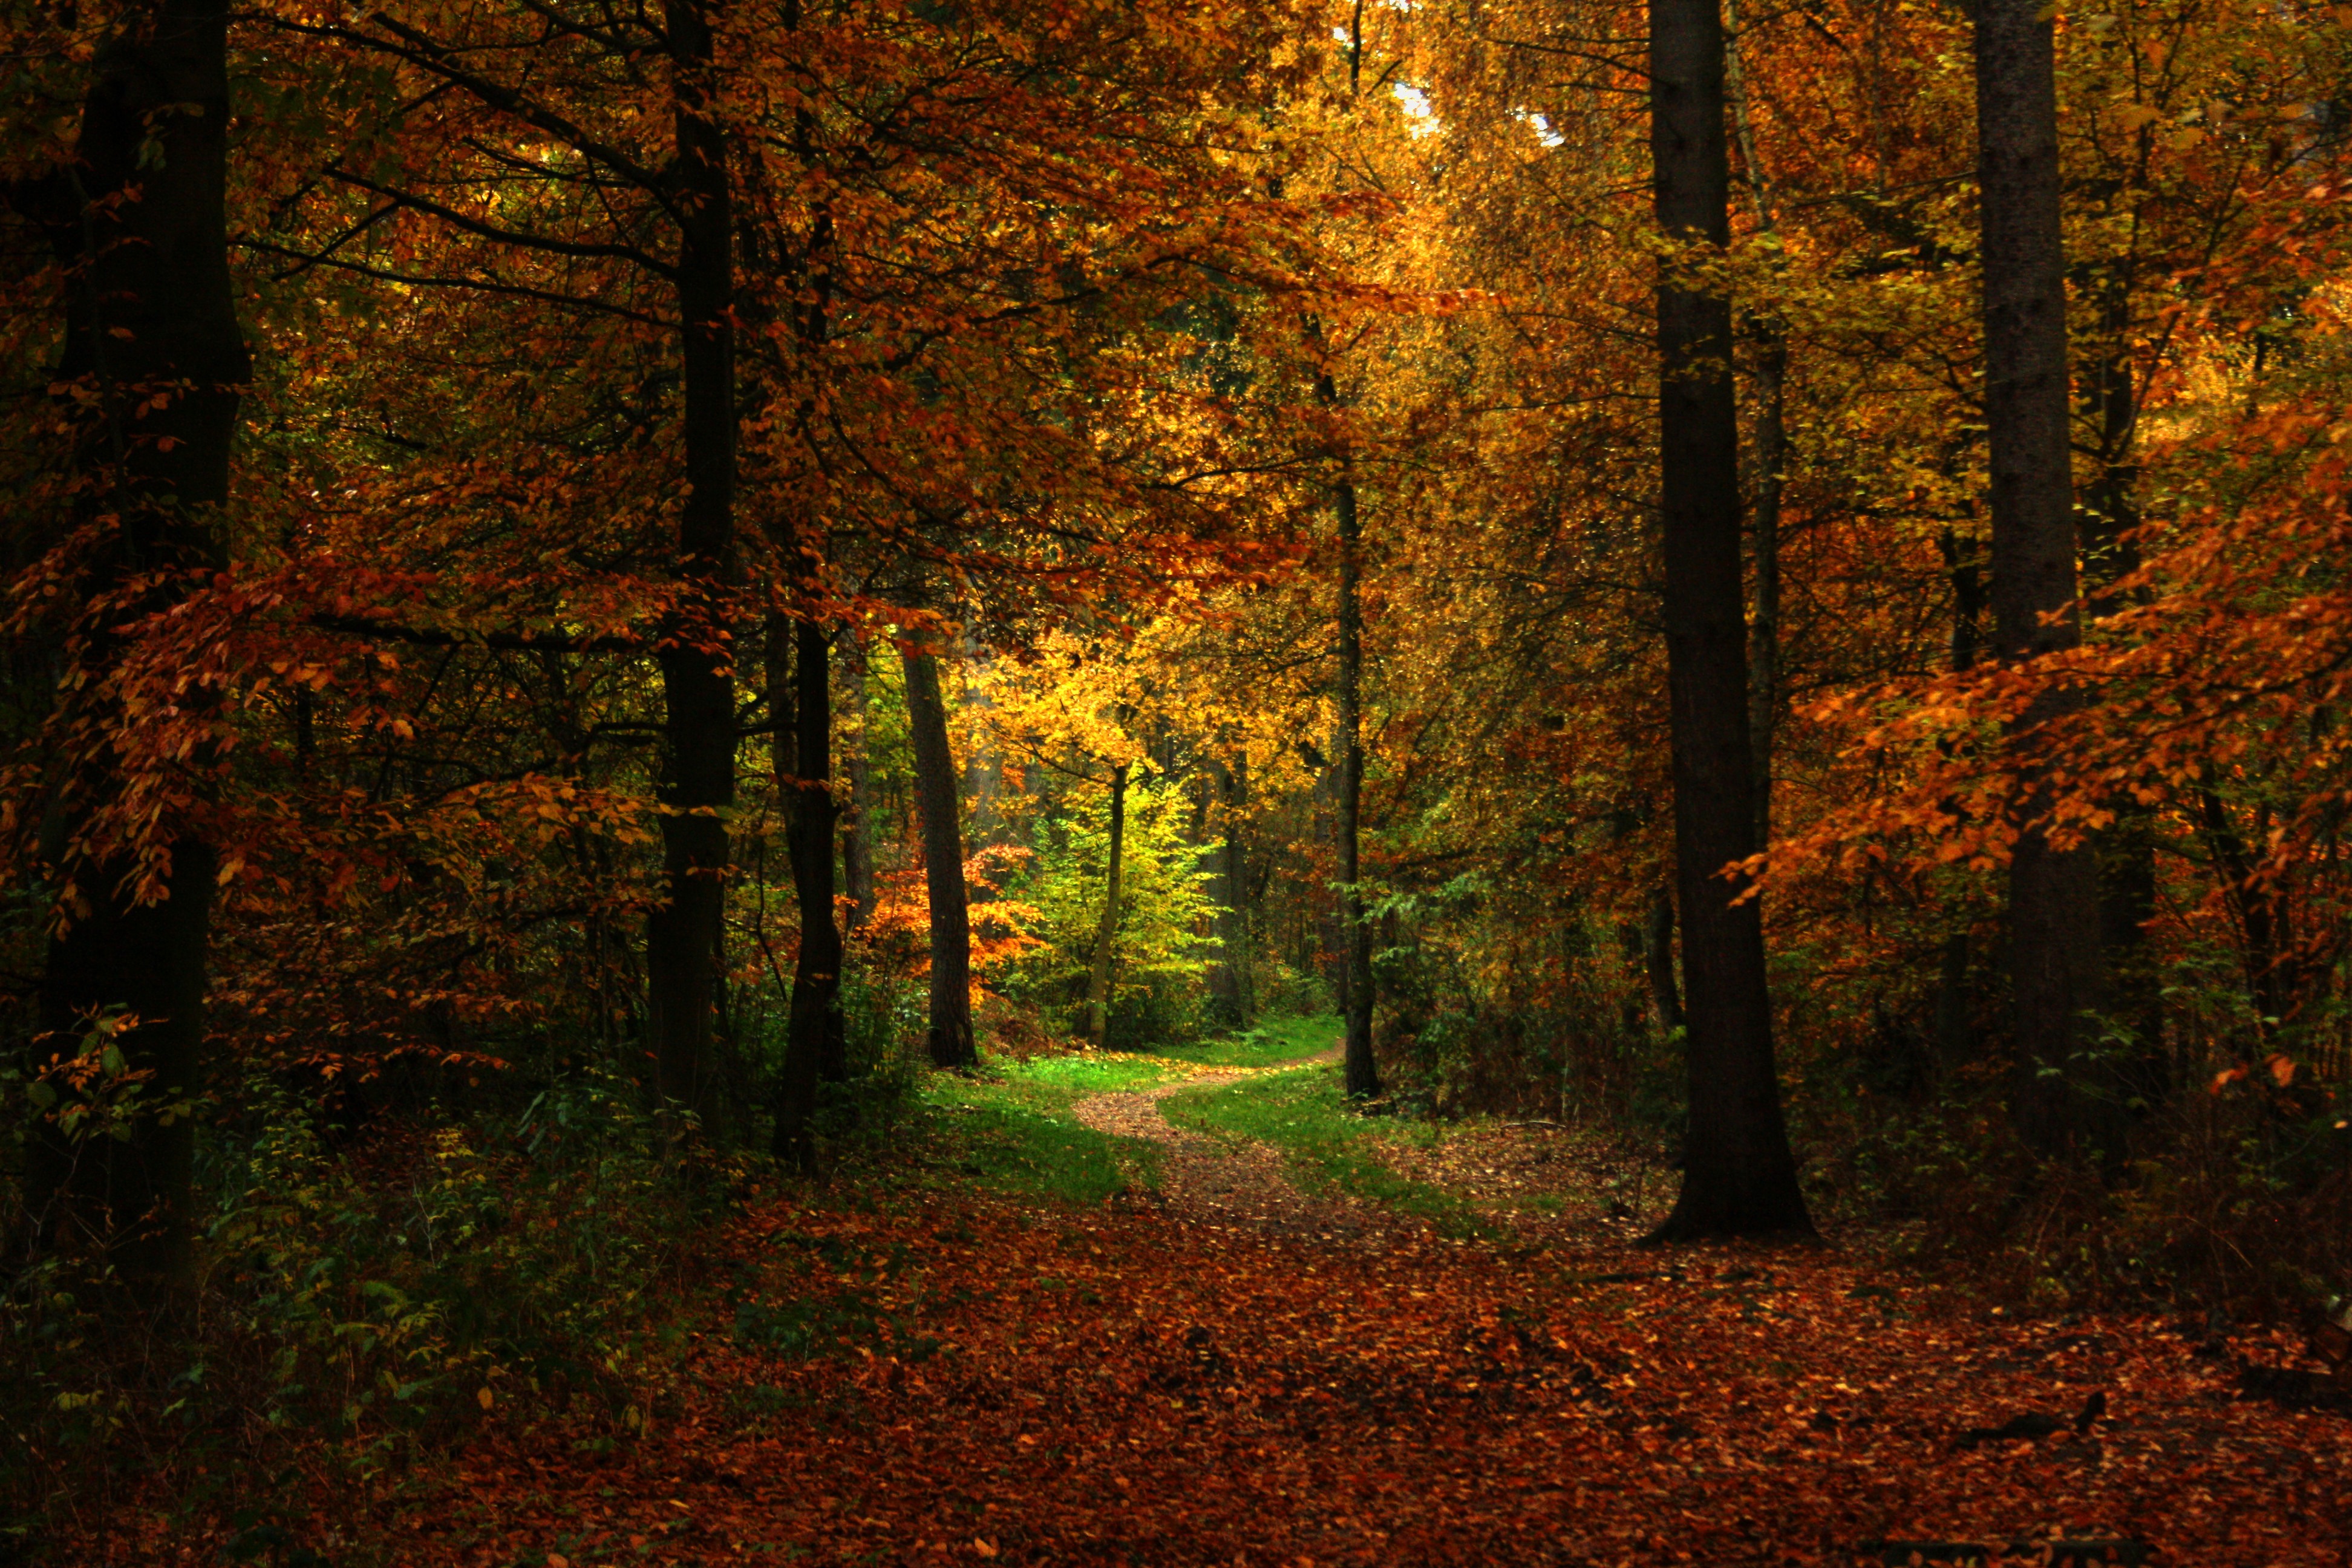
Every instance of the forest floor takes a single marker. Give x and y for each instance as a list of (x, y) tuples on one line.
[(1410, 1349)]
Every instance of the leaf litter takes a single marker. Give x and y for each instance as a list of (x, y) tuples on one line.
[(1224, 1376)]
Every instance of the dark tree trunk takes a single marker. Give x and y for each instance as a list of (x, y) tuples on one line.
[(152, 327), (1363, 1074), (2255, 902), (2126, 852), (935, 786), (697, 784), (857, 817), (1740, 1178), (1956, 1035), (983, 769), (1772, 377), (1764, 533), (1658, 963), (813, 1040), (1098, 981), (1233, 978), (2052, 898)]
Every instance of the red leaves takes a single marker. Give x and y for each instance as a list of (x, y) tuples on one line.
[(1118, 1387)]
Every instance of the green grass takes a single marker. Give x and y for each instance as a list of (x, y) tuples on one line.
[(1272, 1042), (1304, 1114), (1016, 1134), (1013, 1127)]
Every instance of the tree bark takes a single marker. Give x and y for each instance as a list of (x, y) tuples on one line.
[(952, 1043), (1956, 1041), (1234, 977), (2126, 852), (1764, 533), (2052, 897), (1361, 1073), (1772, 377), (152, 324), (983, 769), (1740, 1177), (856, 816), (813, 1038), (1658, 963), (697, 784), (1107, 932)]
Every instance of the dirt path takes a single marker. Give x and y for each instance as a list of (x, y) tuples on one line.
[(1237, 1373), (1215, 1182)]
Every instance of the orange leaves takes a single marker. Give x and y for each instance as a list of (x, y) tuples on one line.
[(1125, 1386), (2280, 1068)]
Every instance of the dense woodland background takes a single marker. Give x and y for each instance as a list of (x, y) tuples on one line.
[(592, 593)]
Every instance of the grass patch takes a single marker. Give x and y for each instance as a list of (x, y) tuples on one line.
[(1305, 1114), (1013, 1127), (1269, 1044), (1057, 1083)]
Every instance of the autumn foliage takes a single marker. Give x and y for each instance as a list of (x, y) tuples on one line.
[(546, 538)]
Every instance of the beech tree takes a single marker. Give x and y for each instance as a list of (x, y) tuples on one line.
[(153, 377), (950, 1036), (1739, 1177), (2053, 902)]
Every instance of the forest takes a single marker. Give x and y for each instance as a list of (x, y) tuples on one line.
[(1150, 782)]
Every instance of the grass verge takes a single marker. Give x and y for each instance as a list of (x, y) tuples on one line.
[(1013, 1127), (1304, 1114), (1269, 1044)]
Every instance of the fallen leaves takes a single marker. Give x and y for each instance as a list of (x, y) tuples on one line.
[(1126, 1386)]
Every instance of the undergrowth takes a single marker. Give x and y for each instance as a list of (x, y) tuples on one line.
[(357, 1303)]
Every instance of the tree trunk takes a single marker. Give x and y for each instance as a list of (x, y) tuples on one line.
[(1362, 1075), (150, 308), (2126, 852), (1658, 963), (1107, 932), (1956, 1041), (983, 768), (697, 784), (1233, 978), (813, 1040), (951, 1041), (1740, 1178), (1772, 377), (857, 817), (2052, 898), (1764, 533)]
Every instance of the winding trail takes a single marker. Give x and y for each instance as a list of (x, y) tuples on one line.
[(1225, 1183)]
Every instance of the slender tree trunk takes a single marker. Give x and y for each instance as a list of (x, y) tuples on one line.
[(1772, 377), (800, 694), (1233, 925), (2052, 897), (1764, 622), (935, 782), (152, 326), (1363, 1074), (698, 785), (1658, 963), (1098, 981), (1956, 1042), (1740, 1177), (983, 769), (856, 819), (2126, 851), (2255, 902)]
